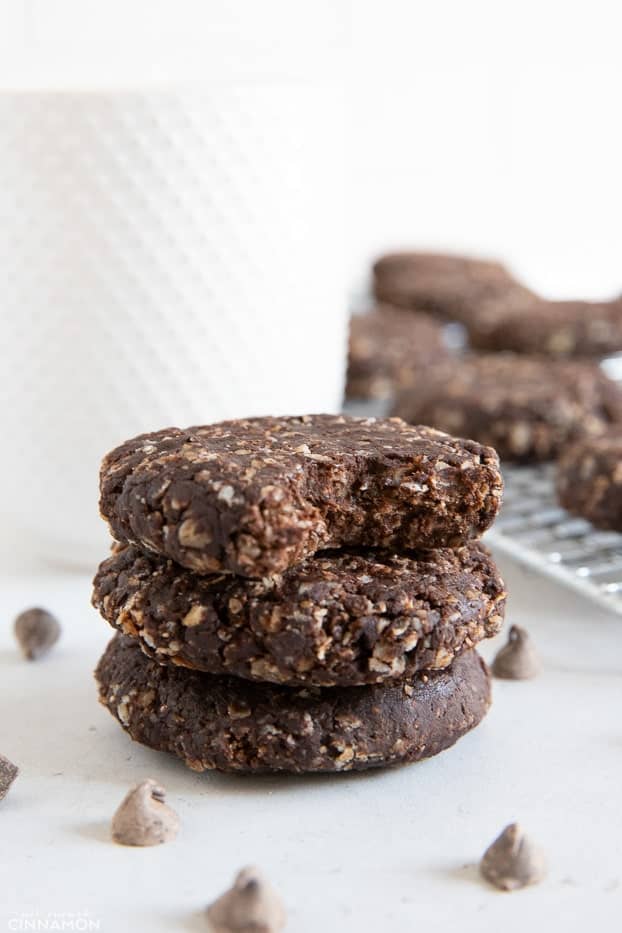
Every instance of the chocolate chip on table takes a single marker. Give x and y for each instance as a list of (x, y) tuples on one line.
[(518, 659), (249, 906), (513, 861), (8, 773), (143, 819), (36, 631)]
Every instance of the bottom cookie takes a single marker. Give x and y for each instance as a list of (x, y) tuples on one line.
[(227, 724)]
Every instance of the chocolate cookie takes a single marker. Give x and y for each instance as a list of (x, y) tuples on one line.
[(528, 408), (589, 480), (386, 346), (335, 619), (553, 328), (229, 724), (255, 497), (446, 285)]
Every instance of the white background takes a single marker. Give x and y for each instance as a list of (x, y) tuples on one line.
[(495, 125), (492, 125)]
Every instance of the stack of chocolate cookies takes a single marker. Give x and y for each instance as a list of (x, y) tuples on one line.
[(298, 594)]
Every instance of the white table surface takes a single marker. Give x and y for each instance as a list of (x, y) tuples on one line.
[(380, 851)]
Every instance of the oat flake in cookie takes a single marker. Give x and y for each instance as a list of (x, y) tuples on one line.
[(337, 618), (527, 408), (256, 496), (589, 480), (229, 724)]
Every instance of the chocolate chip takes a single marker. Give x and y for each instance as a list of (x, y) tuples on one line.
[(513, 861), (250, 905), (36, 631), (143, 819), (518, 659), (8, 773)]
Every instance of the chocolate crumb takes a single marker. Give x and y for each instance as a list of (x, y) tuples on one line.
[(143, 819), (8, 773), (250, 906), (513, 861), (36, 631), (518, 659)]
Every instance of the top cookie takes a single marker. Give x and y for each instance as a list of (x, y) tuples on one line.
[(256, 496), (446, 285), (554, 328)]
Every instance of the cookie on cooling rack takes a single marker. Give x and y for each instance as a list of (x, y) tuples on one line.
[(386, 346), (527, 408), (527, 324), (447, 285), (589, 480)]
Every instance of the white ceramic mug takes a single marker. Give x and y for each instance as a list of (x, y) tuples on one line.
[(167, 257)]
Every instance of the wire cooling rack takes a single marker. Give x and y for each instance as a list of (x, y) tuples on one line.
[(534, 530)]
